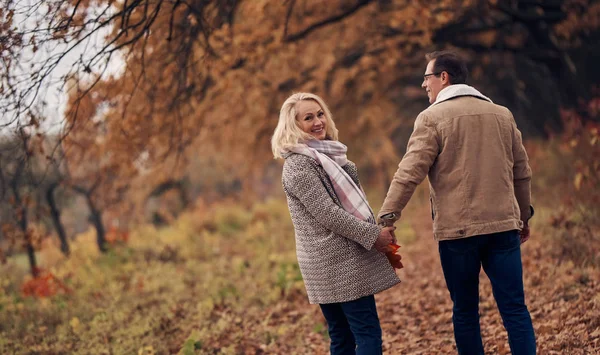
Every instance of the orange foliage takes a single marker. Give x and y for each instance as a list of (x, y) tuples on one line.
[(394, 257), (228, 94), (44, 285), (117, 236), (220, 90)]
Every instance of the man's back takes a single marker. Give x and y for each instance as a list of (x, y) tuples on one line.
[(481, 158)]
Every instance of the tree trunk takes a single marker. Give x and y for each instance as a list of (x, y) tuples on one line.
[(96, 219), (55, 214), (22, 217), (31, 257)]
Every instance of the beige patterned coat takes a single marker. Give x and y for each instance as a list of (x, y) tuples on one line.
[(334, 249)]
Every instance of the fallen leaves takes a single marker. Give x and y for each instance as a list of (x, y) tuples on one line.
[(416, 316), (241, 301)]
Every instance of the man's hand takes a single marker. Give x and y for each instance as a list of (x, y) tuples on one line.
[(388, 220), (384, 239), (524, 234)]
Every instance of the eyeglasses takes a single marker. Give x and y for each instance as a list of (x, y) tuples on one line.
[(426, 76)]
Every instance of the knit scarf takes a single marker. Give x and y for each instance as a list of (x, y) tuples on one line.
[(331, 155)]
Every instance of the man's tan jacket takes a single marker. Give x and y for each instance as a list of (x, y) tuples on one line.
[(479, 176)]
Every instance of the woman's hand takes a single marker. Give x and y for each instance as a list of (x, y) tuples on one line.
[(384, 239)]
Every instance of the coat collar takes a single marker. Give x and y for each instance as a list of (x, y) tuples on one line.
[(458, 90)]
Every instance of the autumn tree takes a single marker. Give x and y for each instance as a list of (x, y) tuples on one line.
[(364, 57), (21, 178), (195, 77), (93, 170), (39, 39)]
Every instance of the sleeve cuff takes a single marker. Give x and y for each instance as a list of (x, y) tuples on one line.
[(531, 213)]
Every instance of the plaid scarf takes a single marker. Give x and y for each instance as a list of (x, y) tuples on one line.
[(331, 155)]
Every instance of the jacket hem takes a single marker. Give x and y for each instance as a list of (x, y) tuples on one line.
[(474, 229)]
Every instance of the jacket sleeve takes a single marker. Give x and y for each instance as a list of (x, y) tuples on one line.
[(521, 173), (306, 185), (422, 150)]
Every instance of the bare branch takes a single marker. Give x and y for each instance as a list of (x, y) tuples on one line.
[(288, 16), (333, 19), (531, 15)]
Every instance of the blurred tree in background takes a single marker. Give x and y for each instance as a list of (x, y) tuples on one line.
[(164, 92)]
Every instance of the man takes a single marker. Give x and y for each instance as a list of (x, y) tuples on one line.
[(479, 180)]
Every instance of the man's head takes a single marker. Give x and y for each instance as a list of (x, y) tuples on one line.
[(444, 68)]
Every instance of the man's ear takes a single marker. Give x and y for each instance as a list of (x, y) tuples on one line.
[(445, 78)]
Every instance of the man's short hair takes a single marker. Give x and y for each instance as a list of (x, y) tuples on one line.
[(451, 63)]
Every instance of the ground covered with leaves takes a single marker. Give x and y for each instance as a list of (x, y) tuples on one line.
[(228, 283), (564, 302), (563, 299)]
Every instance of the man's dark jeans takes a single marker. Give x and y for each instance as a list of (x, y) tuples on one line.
[(500, 256), (353, 327)]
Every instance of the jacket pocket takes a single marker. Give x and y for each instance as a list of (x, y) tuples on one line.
[(432, 210)]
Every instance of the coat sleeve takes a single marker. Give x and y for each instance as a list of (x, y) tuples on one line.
[(306, 186), (521, 173), (422, 150)]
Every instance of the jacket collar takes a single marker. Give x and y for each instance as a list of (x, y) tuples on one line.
[(457, 90)]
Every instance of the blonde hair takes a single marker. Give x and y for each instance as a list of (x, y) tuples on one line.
[(288, 132)]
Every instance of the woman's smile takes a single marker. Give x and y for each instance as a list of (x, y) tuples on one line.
[(311, 118)]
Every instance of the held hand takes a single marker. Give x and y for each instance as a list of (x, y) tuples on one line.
[(388, 220), (524, 234), (384, 239), (393, 233)]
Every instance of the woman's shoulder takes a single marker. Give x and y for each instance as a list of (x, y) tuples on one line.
[(351, 164), (295, 160), (352, 170), (298, 164)]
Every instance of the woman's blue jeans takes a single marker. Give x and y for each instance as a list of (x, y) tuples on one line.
[(353, 327), (500, 256)]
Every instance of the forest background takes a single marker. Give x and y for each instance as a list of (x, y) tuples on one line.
[(144, 213)]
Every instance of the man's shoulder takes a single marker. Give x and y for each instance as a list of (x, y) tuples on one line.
[(462, 105)]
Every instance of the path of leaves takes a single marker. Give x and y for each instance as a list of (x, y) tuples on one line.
[(564, 302)]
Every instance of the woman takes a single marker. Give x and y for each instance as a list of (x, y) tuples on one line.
[(338, 245)]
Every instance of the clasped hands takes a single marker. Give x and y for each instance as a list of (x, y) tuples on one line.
[(386, 237), (386, 243)]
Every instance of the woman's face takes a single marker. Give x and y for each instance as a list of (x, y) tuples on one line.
[(311, 118)]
